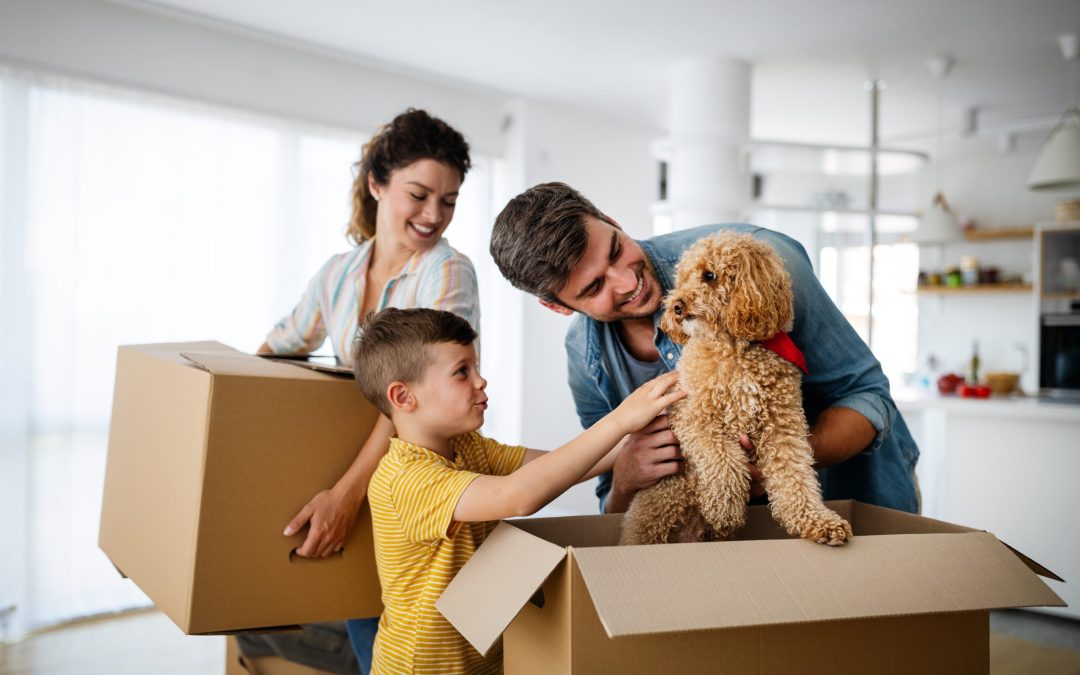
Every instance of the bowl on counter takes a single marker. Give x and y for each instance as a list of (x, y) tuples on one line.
[(1002, 382)]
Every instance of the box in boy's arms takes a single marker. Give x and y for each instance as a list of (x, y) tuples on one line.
[(906, 595), (211, 452)]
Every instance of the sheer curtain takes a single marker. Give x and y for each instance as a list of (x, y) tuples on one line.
[(127, 218)]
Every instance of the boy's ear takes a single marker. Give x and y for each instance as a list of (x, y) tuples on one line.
[(400, 397), (556, 307)]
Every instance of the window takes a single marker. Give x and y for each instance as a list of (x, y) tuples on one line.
[(133, 218)]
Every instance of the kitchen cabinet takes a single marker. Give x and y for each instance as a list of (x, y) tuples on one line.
[(977, 288), (1009, 466)]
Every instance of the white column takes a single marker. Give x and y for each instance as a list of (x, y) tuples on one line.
[(710, 123)]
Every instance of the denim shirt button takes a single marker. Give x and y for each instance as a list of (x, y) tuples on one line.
[(670, 356)]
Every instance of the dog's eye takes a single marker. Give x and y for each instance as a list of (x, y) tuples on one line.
[(708, 276)]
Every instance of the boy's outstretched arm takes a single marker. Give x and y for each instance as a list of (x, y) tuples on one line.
[(545, 477)]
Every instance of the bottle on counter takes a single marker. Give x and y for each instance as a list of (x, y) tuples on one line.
[(969, 270), (973, 372)]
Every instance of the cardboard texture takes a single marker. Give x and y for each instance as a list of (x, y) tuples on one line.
[(211, 452), (908, 594)]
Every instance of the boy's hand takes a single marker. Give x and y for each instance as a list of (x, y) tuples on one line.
[(650, 399)]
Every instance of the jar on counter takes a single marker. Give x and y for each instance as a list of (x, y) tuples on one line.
[(969, 270), (952, 277)]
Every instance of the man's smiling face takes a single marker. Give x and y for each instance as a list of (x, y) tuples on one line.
[(614, 280)]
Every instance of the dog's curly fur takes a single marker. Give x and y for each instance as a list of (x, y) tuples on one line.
[(731, 292)]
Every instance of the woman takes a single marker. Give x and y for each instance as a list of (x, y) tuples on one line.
[(403, 200)]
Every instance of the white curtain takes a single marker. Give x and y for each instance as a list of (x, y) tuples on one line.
[(130, 217)]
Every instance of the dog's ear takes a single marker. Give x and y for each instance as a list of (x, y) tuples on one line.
[(761, 301)]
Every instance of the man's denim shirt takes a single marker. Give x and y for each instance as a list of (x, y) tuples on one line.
[(843, 372)]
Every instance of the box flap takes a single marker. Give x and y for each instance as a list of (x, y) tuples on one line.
[(495, 584), (870, 519), (685, 587), (323, 364), (231, 362)]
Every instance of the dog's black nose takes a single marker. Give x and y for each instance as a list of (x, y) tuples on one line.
[(678, 307)]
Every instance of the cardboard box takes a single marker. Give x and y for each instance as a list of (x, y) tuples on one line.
[(211, 452), (908, 594), (237, 663)]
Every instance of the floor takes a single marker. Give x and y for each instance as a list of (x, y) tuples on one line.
[(146, 642)]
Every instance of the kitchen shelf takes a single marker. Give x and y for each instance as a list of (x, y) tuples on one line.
[(977, 288), (1022, 232)]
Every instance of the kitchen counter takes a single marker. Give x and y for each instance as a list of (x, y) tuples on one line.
[(1008, 465), (1011, 406)]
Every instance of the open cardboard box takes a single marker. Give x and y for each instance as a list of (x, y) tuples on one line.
[(211, 452), (907, 594)]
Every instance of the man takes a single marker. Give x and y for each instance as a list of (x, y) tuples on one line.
[(551, 242)]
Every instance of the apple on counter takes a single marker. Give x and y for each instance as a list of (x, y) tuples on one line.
[(948, 383), (973, 391)]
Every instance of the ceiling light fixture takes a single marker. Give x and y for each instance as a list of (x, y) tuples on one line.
[(938, 224), (1058, 165)]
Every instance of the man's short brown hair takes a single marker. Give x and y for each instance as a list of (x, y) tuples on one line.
[(540, 236), (391, 346)]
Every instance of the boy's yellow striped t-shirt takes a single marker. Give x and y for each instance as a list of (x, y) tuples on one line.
[(419, 548)]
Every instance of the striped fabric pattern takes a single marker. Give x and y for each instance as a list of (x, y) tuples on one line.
[(419, 549), (439, 278)]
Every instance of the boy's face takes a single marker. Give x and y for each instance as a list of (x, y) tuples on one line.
[(450, 398)]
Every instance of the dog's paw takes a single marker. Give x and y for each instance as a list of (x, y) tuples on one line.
[(832, 531)]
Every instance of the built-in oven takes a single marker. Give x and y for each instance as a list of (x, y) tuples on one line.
[(1059, 309), (1059, 355)]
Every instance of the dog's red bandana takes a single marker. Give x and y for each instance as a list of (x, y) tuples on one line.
[(782, 345)]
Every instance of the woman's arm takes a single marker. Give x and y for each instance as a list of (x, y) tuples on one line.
[(332, 513)]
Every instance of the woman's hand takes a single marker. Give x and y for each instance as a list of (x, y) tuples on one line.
[(330, 516)]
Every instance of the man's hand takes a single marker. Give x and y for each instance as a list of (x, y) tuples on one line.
[(646, 457), (757, 484), (330, 515)]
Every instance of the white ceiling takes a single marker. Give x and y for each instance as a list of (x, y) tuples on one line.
[(614, 55)]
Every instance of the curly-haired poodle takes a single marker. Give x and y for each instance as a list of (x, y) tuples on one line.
[(731, 303)]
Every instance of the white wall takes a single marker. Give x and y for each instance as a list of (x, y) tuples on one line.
[(127, 46)]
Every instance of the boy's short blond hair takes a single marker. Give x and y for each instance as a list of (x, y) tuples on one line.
[(391, 347)]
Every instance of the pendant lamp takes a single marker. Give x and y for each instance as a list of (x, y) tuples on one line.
[(1058, 167), (938, 224)]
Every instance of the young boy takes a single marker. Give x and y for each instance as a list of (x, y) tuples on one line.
[(442, 487)]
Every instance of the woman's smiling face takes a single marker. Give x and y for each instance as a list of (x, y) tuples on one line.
[(416, 204)]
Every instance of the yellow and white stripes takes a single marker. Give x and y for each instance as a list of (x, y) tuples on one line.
[(419, 548)]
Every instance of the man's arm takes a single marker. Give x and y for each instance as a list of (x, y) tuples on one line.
[(839, 434)]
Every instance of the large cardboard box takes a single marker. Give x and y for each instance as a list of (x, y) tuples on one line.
[(211, 452), (907, 595)]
